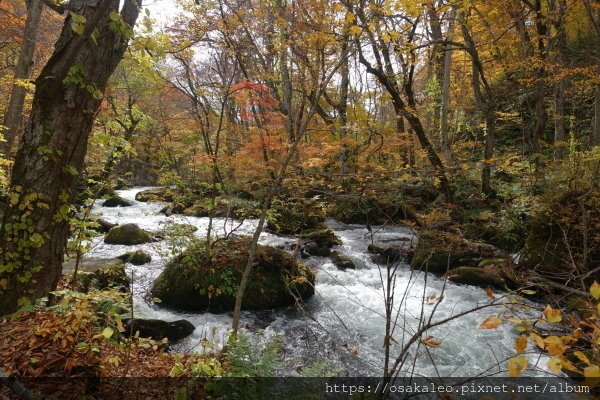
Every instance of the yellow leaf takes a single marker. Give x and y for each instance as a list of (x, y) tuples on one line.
[(555, 365), (107, 333), (516, 366), (491, 322), (538, 340), (582, 357), (554, 346), (521, 343), (552, 315), (595, 290), (355, 30), (593, 371)]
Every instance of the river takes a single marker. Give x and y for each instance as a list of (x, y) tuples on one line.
[(343, 322)]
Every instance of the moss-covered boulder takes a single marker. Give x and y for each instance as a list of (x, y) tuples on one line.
[(438, 252), (323, 237), (127, 234), (341, 261), (292, 216), (202, 280), (117, 201), (173, 208), (99, 274), (165, 195), (476, 277), (393, 253), (563, 235), (376, 209), (231, 207), (138, 257)]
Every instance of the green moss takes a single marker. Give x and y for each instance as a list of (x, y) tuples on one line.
[(197, 280), (293, 216), (138, 257)]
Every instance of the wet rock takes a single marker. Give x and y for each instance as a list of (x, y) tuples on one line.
[(127, 234), (99, 273), (117, 201), (438, 252), (293, 217), (173, 208), (166, 195), (391, 253), (103, 225), (322, 237), (476, 277), (138, 257), (194, 281), (313, 249), (158, 329), (341, 261)]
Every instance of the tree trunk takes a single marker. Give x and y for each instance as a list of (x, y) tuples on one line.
[(14, 111), (560, 145), (488, 152), (50, 158), (596, 128), (446, 86)]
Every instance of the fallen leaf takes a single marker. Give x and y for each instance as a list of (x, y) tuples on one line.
[(516, 366), (491, 322)]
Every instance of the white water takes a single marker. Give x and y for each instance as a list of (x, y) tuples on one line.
[(343, 323)]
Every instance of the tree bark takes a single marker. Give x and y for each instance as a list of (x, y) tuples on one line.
[(446, 86), (14, 111), (50, 158), (596, 127)]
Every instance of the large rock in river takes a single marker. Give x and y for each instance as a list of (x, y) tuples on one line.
[(196, 280), (99, 273), (438, 252), (117, 201), (128, 234), (158, 195)]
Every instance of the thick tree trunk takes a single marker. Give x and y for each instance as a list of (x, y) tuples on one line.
[(488, 152), (50, 158), (446, 86), (14, 111), (560, 148), (596, 127)]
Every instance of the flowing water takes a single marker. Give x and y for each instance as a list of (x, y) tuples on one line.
[(343, 323)]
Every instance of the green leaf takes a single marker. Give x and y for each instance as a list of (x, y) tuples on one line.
[(115, 16)]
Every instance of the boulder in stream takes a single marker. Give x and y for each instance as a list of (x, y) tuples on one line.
[(99, 273), (207, 280), (476, 277), (127, 234), (166, 195), (117, 201), (158, 329), (439, 252), (138, 257), (341, 261)]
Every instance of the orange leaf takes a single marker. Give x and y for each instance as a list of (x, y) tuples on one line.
[(430, 341), (516, 366), (491, 322), (593, 371), (555, 365), (521, 343), (490, 293), (552, 315)]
